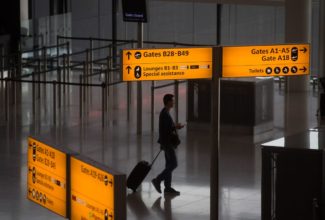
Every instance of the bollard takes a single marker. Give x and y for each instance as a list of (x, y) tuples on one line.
[(68, 47), (33, 95), (13, 87), (6, 99), (54, 102), (19, 63), (176, 93), (68, 70), (68, 67), (64, 72), (314, 83), (103, 103), (44, 51), (91, 55), (91, 69), (87, 73), (59, 87), (110, 51), (57, 51), (83, 80), (109, 68), (39, 79), (107, 81), (80, 97), (44, 55)]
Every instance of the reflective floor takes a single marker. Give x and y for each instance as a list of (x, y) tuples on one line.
[(117, 145)]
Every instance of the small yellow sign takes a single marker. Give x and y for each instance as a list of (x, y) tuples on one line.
[(273, 60), (92, 192), (167, 64), (47, 176)]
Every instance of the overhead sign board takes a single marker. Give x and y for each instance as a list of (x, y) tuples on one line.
[(47, 176), (134, 11), (96, 192), (273, 60), (167, 64)]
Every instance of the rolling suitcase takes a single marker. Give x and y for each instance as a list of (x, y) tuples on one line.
[(139, 172)]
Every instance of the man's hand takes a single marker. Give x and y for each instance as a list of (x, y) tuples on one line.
[(179, 126)]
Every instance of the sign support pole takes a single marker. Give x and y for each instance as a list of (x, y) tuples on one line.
[(139, 84), (215, 128)]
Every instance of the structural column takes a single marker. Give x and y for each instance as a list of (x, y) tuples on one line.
[(321, 54), (297, 30), (321, 38), (139, 84)]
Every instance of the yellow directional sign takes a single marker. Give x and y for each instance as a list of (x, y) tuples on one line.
[(93, 192), (167, 64), (273, 60), (47, 174)]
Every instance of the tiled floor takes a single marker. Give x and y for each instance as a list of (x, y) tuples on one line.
[(118, 146)]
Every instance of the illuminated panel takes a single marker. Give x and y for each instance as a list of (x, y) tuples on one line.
[(47, 177), (93, 192), (274, 60), (167, 64)]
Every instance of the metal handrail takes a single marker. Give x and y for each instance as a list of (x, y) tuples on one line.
[(132, 41), (62, 83), (45, 47), (33, 50)]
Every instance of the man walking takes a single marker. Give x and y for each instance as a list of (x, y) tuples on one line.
[(167, 128)]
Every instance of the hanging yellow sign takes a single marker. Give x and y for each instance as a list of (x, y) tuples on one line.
[(167, 64), (273, 60), (92, 192), (47, 173)]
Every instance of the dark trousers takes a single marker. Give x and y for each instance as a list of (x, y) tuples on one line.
[(171, 164)]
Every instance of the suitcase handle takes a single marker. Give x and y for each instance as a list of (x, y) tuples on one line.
[(155, 158)]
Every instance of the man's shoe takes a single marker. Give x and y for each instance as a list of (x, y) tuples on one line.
[(171, 191), (156, 184)]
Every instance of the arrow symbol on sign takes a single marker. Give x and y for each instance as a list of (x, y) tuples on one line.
[(304, 69), (128, 68), (303, 50), (129, 54)]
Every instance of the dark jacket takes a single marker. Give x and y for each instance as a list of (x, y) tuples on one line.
[(166, 128)]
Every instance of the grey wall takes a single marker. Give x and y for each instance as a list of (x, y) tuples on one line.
[(183, 21), (252, 25)]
